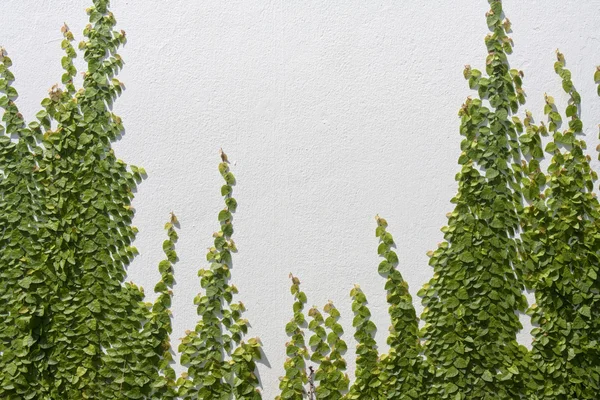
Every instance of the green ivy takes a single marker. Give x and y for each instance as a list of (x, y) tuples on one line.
[(158, 328), (327, 349), (292, 384), (69, 278), (140, 367), (368, 382), (22, 274), (403, 372), (219, 364), (561, 238), (72, 328), (474, 296)]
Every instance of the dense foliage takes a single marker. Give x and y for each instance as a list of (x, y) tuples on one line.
[(471, 320), (561, 240), (72, 328), (67, 234)]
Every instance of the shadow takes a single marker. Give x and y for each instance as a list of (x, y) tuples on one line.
[(264, 360)]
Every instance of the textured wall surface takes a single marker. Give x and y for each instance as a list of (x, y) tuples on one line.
[(331, 111)]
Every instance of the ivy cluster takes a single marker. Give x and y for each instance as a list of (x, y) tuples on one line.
[(402, 369), (219, 363), (72, 328), (561, 238), (472, 301), (140, 366), (328, 349), (513, 227), (367, 383), (292, 384), (66, 235), (399, 374)]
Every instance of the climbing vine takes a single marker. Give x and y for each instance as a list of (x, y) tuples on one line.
[(402, 369), (67, 235), (292, 384), (471, 320), (561, 238), (219, 364), (328, 348), (141, 365), (73, 328), (367, 383)]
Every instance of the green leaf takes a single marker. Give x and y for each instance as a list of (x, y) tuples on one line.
[(585, 311), (224, 215), (467, 257), (487, 376), (226, 190), (551, 147), (491, 173), (461, 363)]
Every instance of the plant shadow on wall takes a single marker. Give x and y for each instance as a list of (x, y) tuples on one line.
[(72, 328)]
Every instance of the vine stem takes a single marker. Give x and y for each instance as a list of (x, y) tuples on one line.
[(311, 384)]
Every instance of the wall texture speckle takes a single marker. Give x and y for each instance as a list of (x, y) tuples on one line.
[(331, 112)]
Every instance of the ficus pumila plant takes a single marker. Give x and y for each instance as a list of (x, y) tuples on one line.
[(402, 368), (367, 383), (146, 356), (328, 348), (292, 384), (67, 233), (72, 328), (472, 301), (561, 238), (219, 364)]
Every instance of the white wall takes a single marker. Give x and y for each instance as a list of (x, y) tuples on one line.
[(332, 111)]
